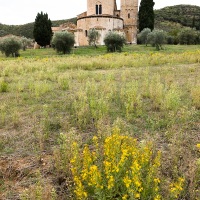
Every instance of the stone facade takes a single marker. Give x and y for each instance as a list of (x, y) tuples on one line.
[(103, 16)]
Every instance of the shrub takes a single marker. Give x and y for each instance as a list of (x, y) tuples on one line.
[(114, 42), (93, 37), (142, 36), (25, 42), (10, 46), (170, 39), (63, 42), (120, 168), (157, 38), (3, 86), (188, 36)]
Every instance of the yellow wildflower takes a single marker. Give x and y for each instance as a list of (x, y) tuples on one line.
[(127, 181), (110, 182), (125, 197), (137, 195), (156, 180), (157, 197)]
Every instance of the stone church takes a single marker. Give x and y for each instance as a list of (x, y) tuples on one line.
[(103, 16)]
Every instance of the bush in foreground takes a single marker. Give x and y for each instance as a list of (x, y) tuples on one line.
[(10, 46), (63, 42), (114, 42), (120, 168)]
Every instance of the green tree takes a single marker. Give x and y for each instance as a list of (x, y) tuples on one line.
[(188, 36), (142, 36), (63, 42), (114, 42), (93, 37), (157, 38), (42, 31), (146, 14), (25, 42), (10, 46)]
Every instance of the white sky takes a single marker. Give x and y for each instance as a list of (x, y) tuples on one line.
[(16, 12)]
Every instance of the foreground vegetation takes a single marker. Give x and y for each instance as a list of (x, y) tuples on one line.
[(88, 114)]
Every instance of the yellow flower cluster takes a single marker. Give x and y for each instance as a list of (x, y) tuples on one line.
[(177, 187), (119, 166)]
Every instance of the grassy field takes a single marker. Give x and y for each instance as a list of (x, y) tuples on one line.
[(50, 101)]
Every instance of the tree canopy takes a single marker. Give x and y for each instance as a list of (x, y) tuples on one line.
[(146, 14), (63, 42), (42, 31)]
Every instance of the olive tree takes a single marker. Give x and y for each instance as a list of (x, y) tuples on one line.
[(25, 42), (142, 36), (10, 46), (188, 36), (63, 41), (93, 37), (157, 38), (114, 42)]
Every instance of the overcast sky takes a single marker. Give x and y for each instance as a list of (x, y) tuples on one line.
[(16, 12)]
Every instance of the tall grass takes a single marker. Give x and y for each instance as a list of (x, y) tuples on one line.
[(151, 96)]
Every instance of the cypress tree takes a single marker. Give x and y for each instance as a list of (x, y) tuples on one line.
[(42, 31), (146, 14)]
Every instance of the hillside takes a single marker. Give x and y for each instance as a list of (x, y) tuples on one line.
[(175, 17), (27, 29), (168, 18)]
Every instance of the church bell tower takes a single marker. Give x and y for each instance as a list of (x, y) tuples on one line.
[(129, 12)]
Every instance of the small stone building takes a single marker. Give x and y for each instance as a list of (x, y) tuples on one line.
[(103, 16)]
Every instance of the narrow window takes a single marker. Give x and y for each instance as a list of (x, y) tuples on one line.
[(86, 33), (129, 15), (100, 9), (97, 9)]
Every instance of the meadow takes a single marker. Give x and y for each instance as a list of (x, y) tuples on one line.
[(62, 116)]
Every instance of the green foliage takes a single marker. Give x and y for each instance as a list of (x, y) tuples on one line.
[(3, 86), (60, 22), (93, 37), (25, 42), (142, 36), (185, 15), (120, 167), (10, 46), (146, 14), (26, 30), (114, 42), (188, 36), (42, 31), (63, 42), (157, 38)]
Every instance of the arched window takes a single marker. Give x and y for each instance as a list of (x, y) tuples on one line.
[(97, 9), (129, 16), (100, 9), (86, 33)]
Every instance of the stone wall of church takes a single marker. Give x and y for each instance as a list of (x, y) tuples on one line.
[(103, 24)]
